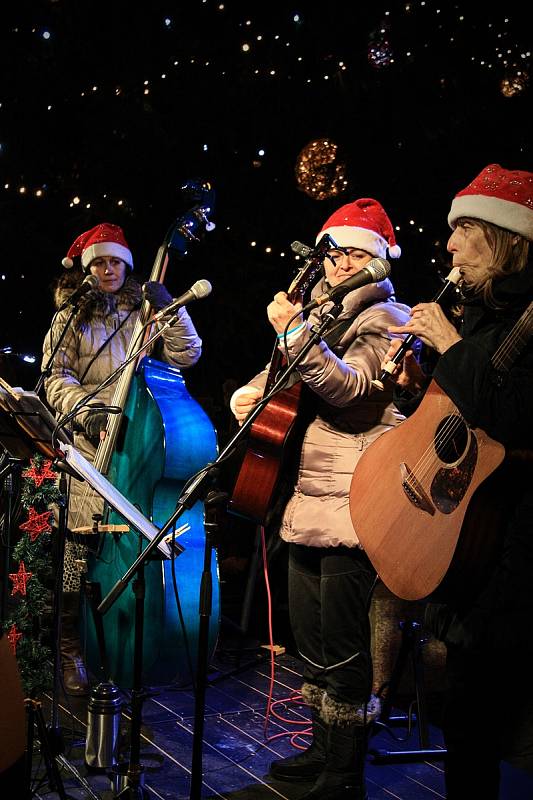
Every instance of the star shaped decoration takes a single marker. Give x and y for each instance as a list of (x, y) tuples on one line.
[(40, 473), (20, 579), (13, 637), (37, 523)]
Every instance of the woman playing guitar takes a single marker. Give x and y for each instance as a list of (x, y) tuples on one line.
[(330, 578), (486, 370)]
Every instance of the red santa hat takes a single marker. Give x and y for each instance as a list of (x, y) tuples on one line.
[(501, 196), (363, 224), (102, 240)]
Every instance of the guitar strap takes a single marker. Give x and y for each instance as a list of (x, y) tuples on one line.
[(335, 334)]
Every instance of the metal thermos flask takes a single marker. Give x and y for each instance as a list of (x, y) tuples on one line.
[(103, 726)]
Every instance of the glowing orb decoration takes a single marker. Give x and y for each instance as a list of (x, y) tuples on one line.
[(514, 83), (380, 53), (318, 173)]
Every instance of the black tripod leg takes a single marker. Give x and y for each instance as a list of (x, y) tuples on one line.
[(52, 770), (93, 593), (212, 501), (134, 789), (410, 645), (418, 673), (397, 672)]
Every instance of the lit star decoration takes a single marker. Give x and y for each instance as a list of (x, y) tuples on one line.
[(40, 473), (37, 523), (13, 637), (20, 579), (318, 173)]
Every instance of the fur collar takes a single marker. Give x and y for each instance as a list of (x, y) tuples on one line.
[(96, 303)]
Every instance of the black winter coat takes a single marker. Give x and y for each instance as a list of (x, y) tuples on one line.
[(500, 614)]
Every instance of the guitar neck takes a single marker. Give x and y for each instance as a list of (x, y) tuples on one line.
[(514, 342)]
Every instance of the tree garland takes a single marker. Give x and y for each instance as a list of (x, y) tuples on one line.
[(26, 631)]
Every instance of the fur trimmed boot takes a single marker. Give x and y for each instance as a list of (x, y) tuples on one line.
[(307, 765), (74, 673), (343, 776)]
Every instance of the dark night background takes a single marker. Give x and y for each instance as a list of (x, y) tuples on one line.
[(106, 109)]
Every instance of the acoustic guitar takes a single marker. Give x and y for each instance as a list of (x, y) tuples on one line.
[(275, 426), (411, 489)]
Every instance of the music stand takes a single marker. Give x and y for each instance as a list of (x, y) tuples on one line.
[(26, 425)]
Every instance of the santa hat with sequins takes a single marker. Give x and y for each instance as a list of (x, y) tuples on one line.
[(363, 224), (104, 239), (501, 196)]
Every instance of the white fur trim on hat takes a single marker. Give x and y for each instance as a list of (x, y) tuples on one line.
[(362, 238), (106, 249), (504, 213)]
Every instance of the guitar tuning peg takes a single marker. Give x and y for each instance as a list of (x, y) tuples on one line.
[(210, 226)]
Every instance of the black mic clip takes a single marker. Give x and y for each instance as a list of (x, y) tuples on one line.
[(315, 253)]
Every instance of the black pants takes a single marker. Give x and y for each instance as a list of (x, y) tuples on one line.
[(329, 596)]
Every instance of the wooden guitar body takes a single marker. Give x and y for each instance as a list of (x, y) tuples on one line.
[(410, 492), (261, 467), (260, 470)]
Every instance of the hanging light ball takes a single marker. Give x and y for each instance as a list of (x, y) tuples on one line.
[(514, 83), (380, 53), (318, 172)]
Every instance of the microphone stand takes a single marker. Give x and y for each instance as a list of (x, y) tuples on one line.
[(197, 488), (114, 375), (46, 371)]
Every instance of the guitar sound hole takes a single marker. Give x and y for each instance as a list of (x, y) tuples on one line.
[(451, 439)]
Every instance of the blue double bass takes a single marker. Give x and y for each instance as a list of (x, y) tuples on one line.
[(161, 439)]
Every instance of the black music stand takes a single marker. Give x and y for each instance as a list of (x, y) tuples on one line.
[(28, 426), (199, 487)]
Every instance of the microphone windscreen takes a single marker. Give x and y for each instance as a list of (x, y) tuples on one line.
[(201, 288)]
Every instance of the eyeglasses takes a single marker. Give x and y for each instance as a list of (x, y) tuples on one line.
[(351, 253)]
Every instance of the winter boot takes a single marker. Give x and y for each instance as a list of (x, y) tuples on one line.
[(349, 729), (343, 776), (307, 765), (74, 673)]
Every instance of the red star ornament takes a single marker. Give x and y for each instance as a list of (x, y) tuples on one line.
[(13, 636), (37, 523), (40, 474), (20, 579)]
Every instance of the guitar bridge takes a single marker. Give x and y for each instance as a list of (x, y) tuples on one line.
[(414, 491)]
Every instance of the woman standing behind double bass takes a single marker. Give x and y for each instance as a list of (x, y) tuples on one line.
[(92, 349)]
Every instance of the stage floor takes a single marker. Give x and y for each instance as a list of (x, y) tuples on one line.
[(237, 750)]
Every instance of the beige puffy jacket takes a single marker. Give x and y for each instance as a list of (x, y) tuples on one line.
[(350, 415)]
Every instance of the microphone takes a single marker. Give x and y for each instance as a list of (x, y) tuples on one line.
[(376, 270), (301, 249), (198, 290), (88, 283)]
